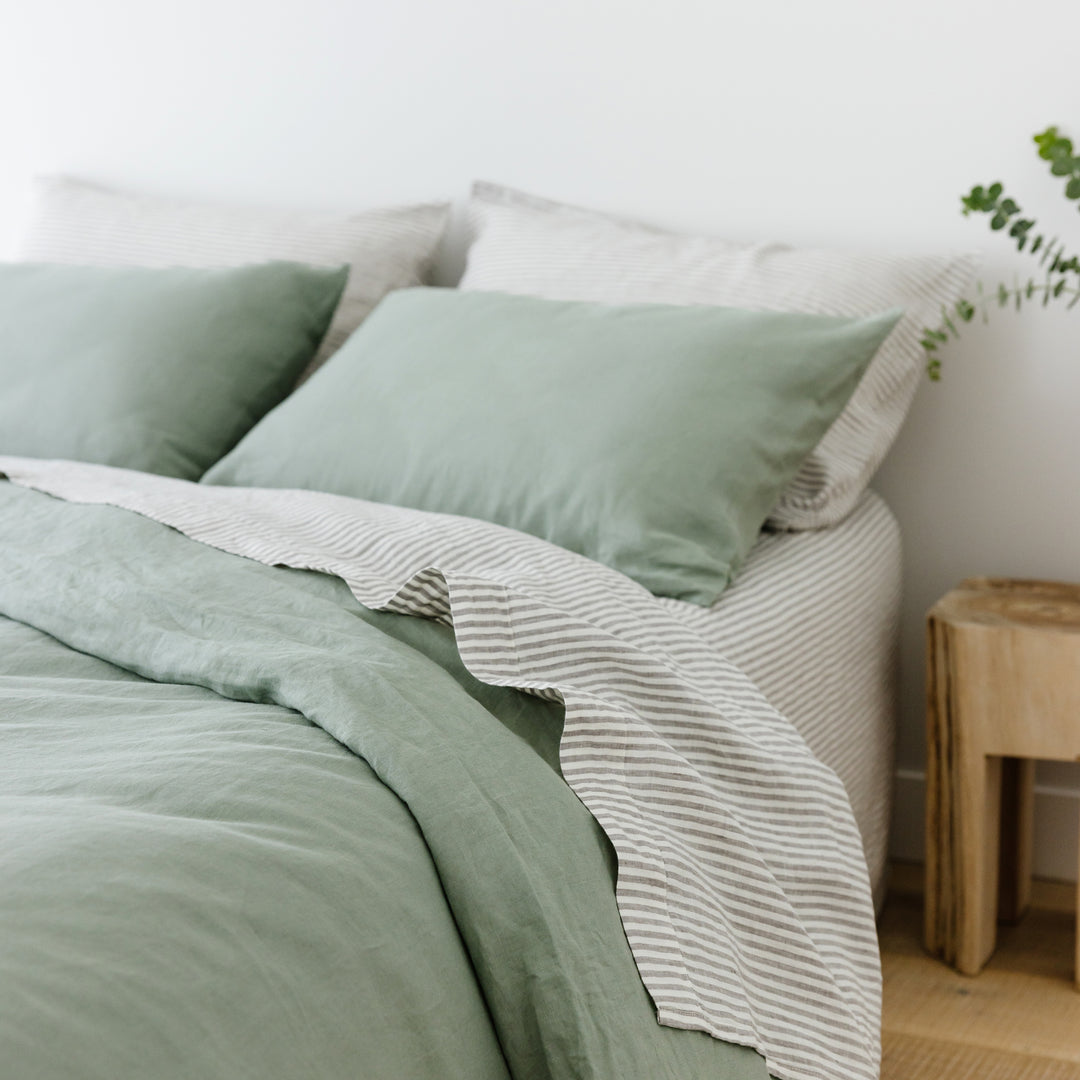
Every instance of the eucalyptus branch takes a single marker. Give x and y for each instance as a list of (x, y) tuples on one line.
[(964, 311), (1005, 211), (1061, 270)]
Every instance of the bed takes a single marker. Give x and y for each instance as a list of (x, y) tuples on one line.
[(820, 610), (451, 714)]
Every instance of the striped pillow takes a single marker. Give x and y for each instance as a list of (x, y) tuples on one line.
[(523, 244), (385, 249)]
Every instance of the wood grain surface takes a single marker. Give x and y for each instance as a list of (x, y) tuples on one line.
[(1003, 690), (1018, 1020)]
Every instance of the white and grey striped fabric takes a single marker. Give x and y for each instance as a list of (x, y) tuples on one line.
[(813, 619), (742, 885), (523, 244), (385, 249)]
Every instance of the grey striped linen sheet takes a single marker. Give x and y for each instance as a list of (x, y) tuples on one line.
[(813, 619), (742, 885)]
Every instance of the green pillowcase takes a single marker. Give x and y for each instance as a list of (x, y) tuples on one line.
[(652, 438), (159, 370)]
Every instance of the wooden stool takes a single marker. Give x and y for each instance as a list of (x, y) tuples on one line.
[(1003, 690)]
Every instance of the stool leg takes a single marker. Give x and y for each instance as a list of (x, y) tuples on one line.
[(939, 906), (977, 840), (1017, 838)]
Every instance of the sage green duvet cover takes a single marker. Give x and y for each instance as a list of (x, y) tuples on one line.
[(249, 828)]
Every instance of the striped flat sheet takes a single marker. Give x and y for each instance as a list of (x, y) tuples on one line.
[(742, 885), (813, 618)]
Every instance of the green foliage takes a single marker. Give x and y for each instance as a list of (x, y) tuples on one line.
[(1060, 270)]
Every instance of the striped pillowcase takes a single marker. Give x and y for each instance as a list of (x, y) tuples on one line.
[(524, 244), (385, 249)]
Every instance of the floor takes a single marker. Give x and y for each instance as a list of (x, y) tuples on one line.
[(1018, 1020)]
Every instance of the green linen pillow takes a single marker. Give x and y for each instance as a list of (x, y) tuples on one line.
[(652, 438), (161, 370)]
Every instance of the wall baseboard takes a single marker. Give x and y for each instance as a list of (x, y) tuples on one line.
[(908, 880), (1057, 826)]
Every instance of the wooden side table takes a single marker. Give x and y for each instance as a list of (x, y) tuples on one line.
[(1003, 690)]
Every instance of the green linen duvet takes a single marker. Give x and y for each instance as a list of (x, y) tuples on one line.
[(198, 882)]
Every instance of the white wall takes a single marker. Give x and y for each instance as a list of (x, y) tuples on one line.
[(838, 121)]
